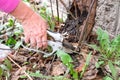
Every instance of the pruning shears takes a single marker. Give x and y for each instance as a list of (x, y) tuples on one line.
[(56, 44), (59, 43)]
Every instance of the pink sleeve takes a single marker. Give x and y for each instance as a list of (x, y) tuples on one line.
[(8, 5)]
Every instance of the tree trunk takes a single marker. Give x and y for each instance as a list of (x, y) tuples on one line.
[(80, 27)]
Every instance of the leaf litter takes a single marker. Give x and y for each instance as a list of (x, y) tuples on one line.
[(31, 61)]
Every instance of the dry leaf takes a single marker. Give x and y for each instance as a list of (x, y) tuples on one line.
[(58, 69)]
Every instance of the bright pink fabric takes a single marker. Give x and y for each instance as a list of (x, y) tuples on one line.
[(8, 5)]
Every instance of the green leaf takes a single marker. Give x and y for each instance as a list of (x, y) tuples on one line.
[(11, 22), (99, 63), (94, 47), (64, 56), (117, 62), (36, 74), (88, 58), (11, 41), (1, 71), (86, 64), (103, 38), (115, 44), (107, 78), (113, 70), (17, 32), (17, 45), (26, 0), (66, 59), (3, 67), (8, 64), (23, 76)]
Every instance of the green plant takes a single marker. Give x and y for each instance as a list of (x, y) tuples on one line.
[(108, 48), (26, 0), (5, 69), (46, 15), (67, 60), (86, 64), (11, 41), (110, 51), (37, 74)]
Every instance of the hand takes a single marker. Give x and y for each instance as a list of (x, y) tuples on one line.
[(35, 30), (34, 26)]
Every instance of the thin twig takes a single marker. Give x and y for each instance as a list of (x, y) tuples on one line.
[(51, 8), (67, 9), (57, 5), (75, 4), (19, 67)]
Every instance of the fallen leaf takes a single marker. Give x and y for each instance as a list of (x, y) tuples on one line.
[(58, 69), (90, 75), (18, 73), (80, 67)]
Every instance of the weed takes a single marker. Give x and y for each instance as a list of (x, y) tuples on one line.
[(37, 74), (46, 15), (5, 69), (86, 64), (110, 52), (67, 60)]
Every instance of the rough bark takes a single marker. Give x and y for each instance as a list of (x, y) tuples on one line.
[(80, 26), (108, 16)]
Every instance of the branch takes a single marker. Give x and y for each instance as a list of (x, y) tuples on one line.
[(67, 9)]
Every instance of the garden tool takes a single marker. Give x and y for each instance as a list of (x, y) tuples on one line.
[(4, 51), (59, 43)]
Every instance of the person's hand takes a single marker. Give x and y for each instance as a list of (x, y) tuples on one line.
[(35, 30), (34, 26)]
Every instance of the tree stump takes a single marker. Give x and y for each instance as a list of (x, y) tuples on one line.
[(83, 19)]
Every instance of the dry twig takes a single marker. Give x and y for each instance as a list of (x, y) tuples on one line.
[(19, 67), (51, 8), (57, 5)]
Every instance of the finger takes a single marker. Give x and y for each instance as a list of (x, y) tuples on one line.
[(32, 41), (44, 41), (27, 38), (39, 41)]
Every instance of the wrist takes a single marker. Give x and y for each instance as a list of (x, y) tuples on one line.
[(22, 12)]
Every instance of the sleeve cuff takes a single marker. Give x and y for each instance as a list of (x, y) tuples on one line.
[(8, 5)]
